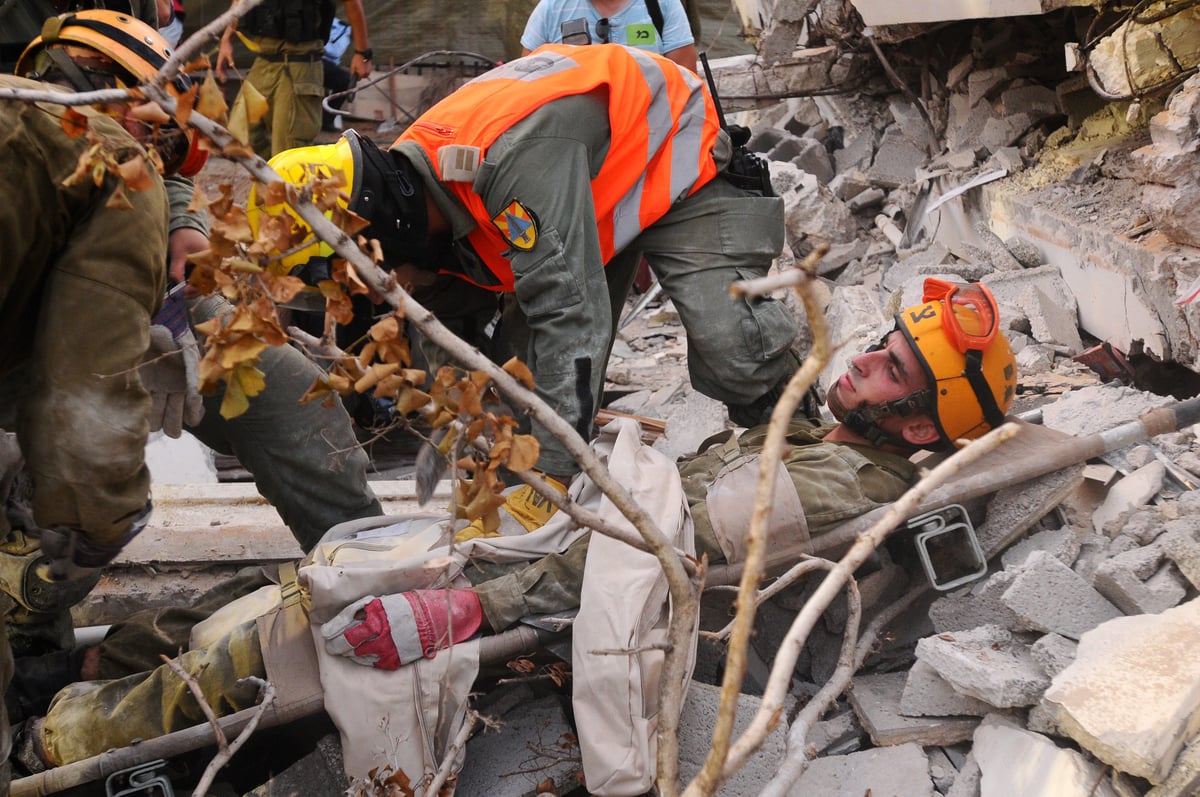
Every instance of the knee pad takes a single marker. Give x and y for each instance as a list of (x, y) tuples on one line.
[(20, 559)]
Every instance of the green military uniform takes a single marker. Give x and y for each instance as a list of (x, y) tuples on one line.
[(738, 349), (291, 78), (304, 458), (835, 482), (75, 307)]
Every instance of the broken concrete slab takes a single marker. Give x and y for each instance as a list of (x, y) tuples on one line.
[(1063, 544), (966, 783), (900, 770), (876, 702), (1049, 596), (988, 663), (927, 694), (896, 160), (1138, 583), (1184, 778), (1132, 695), (1126, 495), (695, 740), (974, 605), (941, 770), (1054, 653), (1013, 761)]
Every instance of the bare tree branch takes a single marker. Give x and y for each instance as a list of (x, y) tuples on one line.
[(793, 643), (452, 752), (711, 775)]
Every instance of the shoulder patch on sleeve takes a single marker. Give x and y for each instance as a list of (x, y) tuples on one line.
[(518, 225), (458, 163)]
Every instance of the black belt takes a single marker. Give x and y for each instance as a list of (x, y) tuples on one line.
[(279, 58)]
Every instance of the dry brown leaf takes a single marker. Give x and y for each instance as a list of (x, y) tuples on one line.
[(211, 100), (136, 174), (74, 124)]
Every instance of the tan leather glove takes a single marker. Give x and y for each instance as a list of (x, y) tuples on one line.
[(169, 372)]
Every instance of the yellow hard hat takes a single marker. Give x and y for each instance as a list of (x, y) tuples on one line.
[(955, 334), (297, 166), (383, 190), (132, 45)]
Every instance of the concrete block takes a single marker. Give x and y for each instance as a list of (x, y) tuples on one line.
[(966, 783), (1097, 408), (988, 663), (1048, 596), (1184, 778), (534, 734), (1038, 102), (1063, 544), (691, 417), (1132, 695), (1126, 495), (1026, 253), (927, 694), (1014, 510), (1014, 761), (858, 151), (901, 770), (1049, 321), (941, 770), (896, 160), (1004, 131), (1040, 719), (764, 139), (695, 741), (812, 157), (837, 735), (1181, 544), (876, 702), (965, 123), (1136, 582), (814, 215), (909, 119), (1145, 525), (1007, 158), (1054, 653), (975, 605)]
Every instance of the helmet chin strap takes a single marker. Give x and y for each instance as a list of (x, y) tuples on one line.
[(863, 420)]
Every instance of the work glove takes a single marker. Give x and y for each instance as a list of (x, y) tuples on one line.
[(71, 556), (394, 630), (524, 510), (169, 370)]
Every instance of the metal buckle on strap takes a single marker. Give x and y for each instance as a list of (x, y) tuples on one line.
[(948, 547), (290, 592), (141, 780)]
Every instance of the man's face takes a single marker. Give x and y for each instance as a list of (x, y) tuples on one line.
[(890, 373)]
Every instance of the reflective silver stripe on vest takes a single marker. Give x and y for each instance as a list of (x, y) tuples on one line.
[(685, 149), (528, 68)]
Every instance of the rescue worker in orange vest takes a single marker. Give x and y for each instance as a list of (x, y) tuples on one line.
[(538, 186)]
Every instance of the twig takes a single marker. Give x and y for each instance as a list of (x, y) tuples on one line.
[(452, 752), (712, 774), (628, 651), (796, 759), (225, 750), (793, 574), (789, 650)]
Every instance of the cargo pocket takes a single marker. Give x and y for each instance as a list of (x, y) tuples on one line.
[(306, 105), (768, 329), (547, 285)]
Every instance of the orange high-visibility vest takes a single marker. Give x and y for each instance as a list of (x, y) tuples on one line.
[(664, 126)]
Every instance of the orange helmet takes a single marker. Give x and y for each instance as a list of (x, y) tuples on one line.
[(136, 48), (968, 364)]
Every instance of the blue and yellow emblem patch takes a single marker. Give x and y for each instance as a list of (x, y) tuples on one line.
[(517, 225)]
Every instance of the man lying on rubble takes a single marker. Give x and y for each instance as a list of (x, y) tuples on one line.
[(286, 445), (944, 373)]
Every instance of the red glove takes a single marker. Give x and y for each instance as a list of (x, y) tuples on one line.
[(395, 630)]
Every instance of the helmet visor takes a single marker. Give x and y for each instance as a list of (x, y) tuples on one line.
[(970, 316)]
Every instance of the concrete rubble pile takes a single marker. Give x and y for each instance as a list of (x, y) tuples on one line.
[(1070, 668)]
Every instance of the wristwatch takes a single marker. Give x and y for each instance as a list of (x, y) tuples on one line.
[(366, 54)]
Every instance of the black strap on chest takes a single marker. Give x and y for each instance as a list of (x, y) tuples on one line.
[(656, 16)]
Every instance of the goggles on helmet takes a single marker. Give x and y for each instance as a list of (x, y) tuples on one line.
[(970, 315)]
